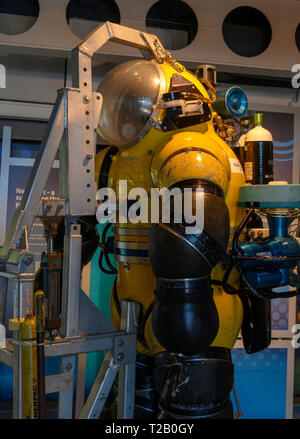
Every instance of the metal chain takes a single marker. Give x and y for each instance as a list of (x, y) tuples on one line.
[(164, 55)]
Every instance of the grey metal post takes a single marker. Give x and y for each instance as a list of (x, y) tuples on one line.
[(101, 388), (65, 396), (71, 280), (3, 299), (70, 307), (6, 145), (126, 382), (80, 384)]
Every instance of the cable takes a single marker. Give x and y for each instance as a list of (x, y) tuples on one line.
[(264, 293), (104, 253), (235, 256)]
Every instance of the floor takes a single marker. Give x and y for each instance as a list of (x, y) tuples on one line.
[(6, 410)]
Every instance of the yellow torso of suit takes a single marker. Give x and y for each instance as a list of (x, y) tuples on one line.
[(161, 160)]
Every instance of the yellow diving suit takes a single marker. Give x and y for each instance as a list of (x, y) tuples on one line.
[(188, 323)]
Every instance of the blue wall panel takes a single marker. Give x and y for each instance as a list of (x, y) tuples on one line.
[(260, 381)]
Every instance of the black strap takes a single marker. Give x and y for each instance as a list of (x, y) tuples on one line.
[(116, 299), (105, 167), (208, 187), (146, 317)]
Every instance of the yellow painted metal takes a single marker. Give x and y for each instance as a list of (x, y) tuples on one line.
[(30, 405), (161, 159), (15, 324), (190, 155), (152, 343), (133, 163), (131, 238), (237, 179), (135, 283), (230, 309)]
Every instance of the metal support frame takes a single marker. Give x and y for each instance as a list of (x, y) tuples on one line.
[(122, 360), (71, 131), (127, 370)]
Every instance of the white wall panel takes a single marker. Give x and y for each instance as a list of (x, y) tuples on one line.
[(51, 35)]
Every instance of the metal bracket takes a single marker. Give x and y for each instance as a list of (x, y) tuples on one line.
[(56, 383), (123, 347), (52, 208), (121, 359), (122, 35)]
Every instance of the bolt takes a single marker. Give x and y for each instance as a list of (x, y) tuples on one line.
[(89, 156), (53, 334), (120, 356), (28, 259), (86, 99), (69, 366)]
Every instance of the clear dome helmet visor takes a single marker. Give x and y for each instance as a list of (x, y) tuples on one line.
[(129, 92)]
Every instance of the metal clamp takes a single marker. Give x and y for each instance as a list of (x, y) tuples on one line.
[(123, 347)]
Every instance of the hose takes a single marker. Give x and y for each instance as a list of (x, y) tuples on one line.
[(104, 253), (235, 256)]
